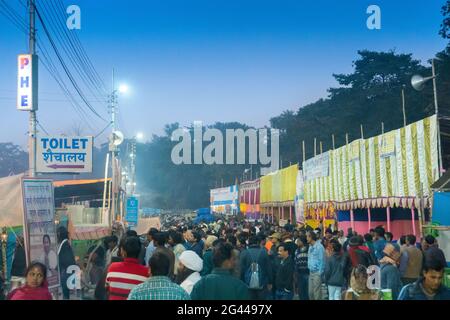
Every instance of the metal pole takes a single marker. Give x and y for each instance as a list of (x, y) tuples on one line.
[(105, 188), (362, 132), (382, 128), (321, 150), (32, 122), (303, 147), (315, 146), (332, 139), (403, 105), (436, 110)]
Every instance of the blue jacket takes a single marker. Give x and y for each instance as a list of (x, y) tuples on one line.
[(316, 258), (390, 279), (414, 291), (259, 255)]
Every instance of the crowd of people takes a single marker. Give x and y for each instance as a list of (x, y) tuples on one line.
[(234, 259)]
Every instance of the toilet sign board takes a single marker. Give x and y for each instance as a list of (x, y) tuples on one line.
[(60, 154), (27, 84)]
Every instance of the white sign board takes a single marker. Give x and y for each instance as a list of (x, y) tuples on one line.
[(40, 228), (317, 167), (27, 84), (59, 154), (225, 200)]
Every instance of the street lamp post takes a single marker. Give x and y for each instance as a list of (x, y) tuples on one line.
[(116, 140), (4, 240), (418, 83)]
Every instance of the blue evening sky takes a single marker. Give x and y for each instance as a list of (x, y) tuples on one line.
[(214, 60)]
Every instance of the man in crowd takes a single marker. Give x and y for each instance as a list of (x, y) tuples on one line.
[(390, 239), (141, 257), (390, 274), (207, 256), (220, 284), (411, 261), (160, 240), (66, 259), (189, 267), (341, 238), (159, 286), (284, 281), (430, 248), (151, 245), (359, 253), (256, 259), (113, 248), (428, 287), (379, 243), (316, 266), (301, 267), (122, 277), (335, 272)]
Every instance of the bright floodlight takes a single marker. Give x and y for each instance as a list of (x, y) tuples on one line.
[(139, 136), (123, 88)]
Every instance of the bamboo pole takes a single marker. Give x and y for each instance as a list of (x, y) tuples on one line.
[(303, 147), (315, 147), (332, 139)]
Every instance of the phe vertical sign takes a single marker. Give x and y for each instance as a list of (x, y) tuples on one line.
[(132, 211), (27, 84)]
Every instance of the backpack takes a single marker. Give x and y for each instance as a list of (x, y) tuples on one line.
[(253, 275)]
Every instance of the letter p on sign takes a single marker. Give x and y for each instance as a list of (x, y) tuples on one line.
[(24, 61)]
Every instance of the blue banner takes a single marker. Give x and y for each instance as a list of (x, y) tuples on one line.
[(132, 211)]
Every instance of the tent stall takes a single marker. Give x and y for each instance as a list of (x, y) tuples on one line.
[(440, 225), (249, 197), (278, 193), (392, 170)]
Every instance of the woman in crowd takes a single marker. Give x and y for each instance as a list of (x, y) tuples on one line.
[(36, 287)]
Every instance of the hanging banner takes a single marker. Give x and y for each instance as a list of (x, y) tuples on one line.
[(132, 211), (387, 147), (40, 228), (317, 167), (354, 150), (60, 154), (299, 199)]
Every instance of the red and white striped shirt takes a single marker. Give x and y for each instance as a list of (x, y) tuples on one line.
[(124, 276)]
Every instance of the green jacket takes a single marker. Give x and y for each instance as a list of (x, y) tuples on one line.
[(207, 263), (220, 285)]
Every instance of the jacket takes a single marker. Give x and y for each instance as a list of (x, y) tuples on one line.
[(220, 285), (301, 260), (390, 279), (335, 270), (207, 263), (361, 255), (316, 258), (414, 266), (414, 291), (256, 254), (65, 256), (285, 275)]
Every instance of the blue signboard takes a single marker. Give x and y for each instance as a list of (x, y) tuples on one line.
[(132, 211)]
